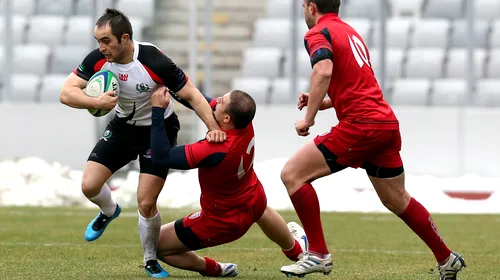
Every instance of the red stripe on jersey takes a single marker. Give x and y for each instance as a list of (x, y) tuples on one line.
[(153, 75), (98, 66)]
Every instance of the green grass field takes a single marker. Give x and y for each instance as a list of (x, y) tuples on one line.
[(48, 243)]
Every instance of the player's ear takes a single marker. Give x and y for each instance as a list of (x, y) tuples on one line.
[(125, 38), (227, 118)]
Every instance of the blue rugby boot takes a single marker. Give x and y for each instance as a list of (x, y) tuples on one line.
[(96, 228), (154, 269)]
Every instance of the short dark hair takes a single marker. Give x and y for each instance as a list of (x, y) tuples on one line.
[(327, 6), (241, 109), (118, 21)]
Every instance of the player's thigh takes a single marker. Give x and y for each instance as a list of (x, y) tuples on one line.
[(168, 242), (172, 127), (306, 165), (113, 150), (274, 227)]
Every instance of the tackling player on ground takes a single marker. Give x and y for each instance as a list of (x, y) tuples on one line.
[(366, 136), (141, 68), (232, 197)]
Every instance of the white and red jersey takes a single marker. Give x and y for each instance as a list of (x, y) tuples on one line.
[(138, 80)]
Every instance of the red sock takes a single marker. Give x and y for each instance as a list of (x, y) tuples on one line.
[(294, 253), (420, 221), (306, 204), (212, 269)]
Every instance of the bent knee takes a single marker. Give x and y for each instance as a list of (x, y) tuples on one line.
[(147, 206), (90, 187), (396, 201)]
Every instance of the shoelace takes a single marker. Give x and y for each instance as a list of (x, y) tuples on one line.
[(100, 222)]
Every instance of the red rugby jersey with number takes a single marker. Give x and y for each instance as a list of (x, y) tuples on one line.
[(354, 90)]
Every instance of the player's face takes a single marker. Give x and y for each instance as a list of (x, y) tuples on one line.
[(221, 108), (108, 43), (309, 11)]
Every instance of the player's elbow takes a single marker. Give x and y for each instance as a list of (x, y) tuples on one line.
[(64, 96)]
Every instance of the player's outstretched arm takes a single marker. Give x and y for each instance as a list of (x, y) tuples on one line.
[(185, 103)]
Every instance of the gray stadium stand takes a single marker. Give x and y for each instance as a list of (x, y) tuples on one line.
[(46, 29), (31, 59), (394, 62), (430, 33), (410, 92), (281, 92), (275, 32), (362, 26), (303, 61), (406, 8), (23, 7), (487, 93), (18, 27), (80, 30), (449, 9), (138, 8), (425, 63), (495, 34), (280, 8), (25, 87), (456, 65), (65, 59), (258, 88), (51, 87), (449, 92), (493, 68), (460, 35), (362, 9), (397, 30), (261, 62), (85, 7), (55, 7), (487, 9)]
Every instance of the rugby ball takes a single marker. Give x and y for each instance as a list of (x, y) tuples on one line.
[(101, 82)]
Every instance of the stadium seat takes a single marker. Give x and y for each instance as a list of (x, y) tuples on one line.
[(18, 28), (393, 61), (493, 68), (261, 62), (449, 9), (257, 87), (487, 92), (406, 8), (487, 9), (80, 31), (460, 35), (25, 87), (46, 29), (137, 28), (144, 9), (430, 33), (397, 31), (495, 34), (276, 33), (303, 63), (410, 91), (425, 63), (85, 7), (281, 92), (449, 92), (281, 8), (55, 7), (456, 65), (51, 87), (31, 59), (65, 59), (362, 26), (362, 9), (23, 7)]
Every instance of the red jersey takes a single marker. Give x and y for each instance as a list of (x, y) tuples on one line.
[(232, 182), (354, 90)]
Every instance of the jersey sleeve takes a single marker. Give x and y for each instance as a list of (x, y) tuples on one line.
[(204, 154), (161, 68), (318, 44), (92, 63)]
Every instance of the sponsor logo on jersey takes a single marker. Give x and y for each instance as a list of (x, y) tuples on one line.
[(123, 77), (142, 88), (107, 134), (194, 215), (81, 68), (147, 154)]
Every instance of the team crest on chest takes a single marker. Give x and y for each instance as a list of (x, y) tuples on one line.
[(142, 88)]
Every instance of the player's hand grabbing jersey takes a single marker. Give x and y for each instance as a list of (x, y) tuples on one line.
[(225, 170), (149, 69)]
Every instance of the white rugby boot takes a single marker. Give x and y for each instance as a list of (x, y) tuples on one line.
[(298, 234), (449, 270), (309, 263), (228, 270)]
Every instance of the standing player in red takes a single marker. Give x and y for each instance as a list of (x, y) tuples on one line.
[(232, 197), (367, 136)]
